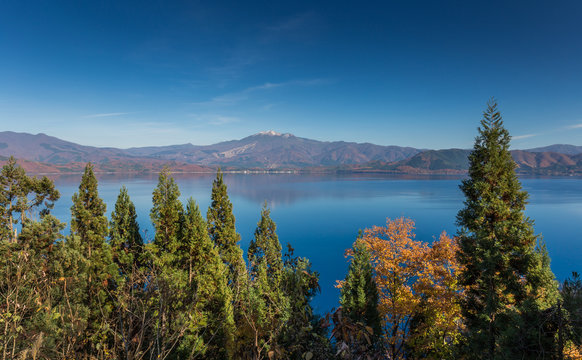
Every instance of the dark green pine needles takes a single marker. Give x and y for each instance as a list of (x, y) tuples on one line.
[(266, 246), (359, 294), (195, 301), (124, 237), (19, 196), (211, 321), (507, 276), (166, 212), (88, 232), (265, 304), (222, 231)]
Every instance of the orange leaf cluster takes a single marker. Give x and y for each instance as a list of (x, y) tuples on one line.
[(415, 279)]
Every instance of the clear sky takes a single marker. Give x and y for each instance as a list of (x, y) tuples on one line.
[(410, 73)]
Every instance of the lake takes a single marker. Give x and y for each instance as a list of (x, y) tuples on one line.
[(320, 214)]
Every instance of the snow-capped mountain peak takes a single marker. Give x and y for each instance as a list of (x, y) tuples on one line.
[(274, 133)]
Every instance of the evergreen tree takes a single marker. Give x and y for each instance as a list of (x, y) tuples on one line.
[(28, 282), (305, 334), (359, 294), (127, 249), (357, 325), (207, 297), (222, 231), (19, 195), (266, 246), (89, 230), (266, 307), (572, 296), (166, 213), (88, 220), (171, 314), (506, 273), (124, 237)]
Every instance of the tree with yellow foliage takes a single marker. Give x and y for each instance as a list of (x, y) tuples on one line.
[(418, 290)]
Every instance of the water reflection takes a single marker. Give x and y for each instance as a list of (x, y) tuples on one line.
[(321, 214), (285, 188)]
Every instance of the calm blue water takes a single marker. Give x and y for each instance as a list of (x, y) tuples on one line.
[(320, 214)]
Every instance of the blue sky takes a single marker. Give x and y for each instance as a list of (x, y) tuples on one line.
[(411, 73)]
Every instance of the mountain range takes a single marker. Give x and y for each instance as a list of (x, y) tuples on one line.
[(455, 161), (270, 150)]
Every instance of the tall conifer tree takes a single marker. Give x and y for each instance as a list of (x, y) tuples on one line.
[(89, 230), (266, 307), (222, 231), (19, 195), (127, 248), (170, 280), (507, 275), (88, 220), (28, 281), (124, 237), (166, 212), (359, 294), (208, 299), (572, 296), (265, 245)]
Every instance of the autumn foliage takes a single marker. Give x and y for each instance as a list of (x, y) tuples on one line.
[(418, 290)]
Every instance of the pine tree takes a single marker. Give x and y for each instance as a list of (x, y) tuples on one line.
[(208, 299), (357, 325), (507, 274), (166, 213), (171, 320), (305, 334), (222, 231), (266, 306), (28, 283), (88, 220), (124, 237), (19, 196), (359, 294), (572, 295), (127, 249), (266, 245), (89, 230)]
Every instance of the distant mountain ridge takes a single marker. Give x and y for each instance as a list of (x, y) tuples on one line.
[(269, 150), (49, 149), (456, 161), (559, 148), (274, 150)]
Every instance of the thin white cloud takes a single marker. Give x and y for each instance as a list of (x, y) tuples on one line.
[(241, 57), (265, 86), (526, 136), (293, 23), (301, 27), (105, 115), (268, 107), (552, 131), (215, 119), (237, 97), (223, 120)]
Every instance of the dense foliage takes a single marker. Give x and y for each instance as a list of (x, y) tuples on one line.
[(509, 284), (102, 292)]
